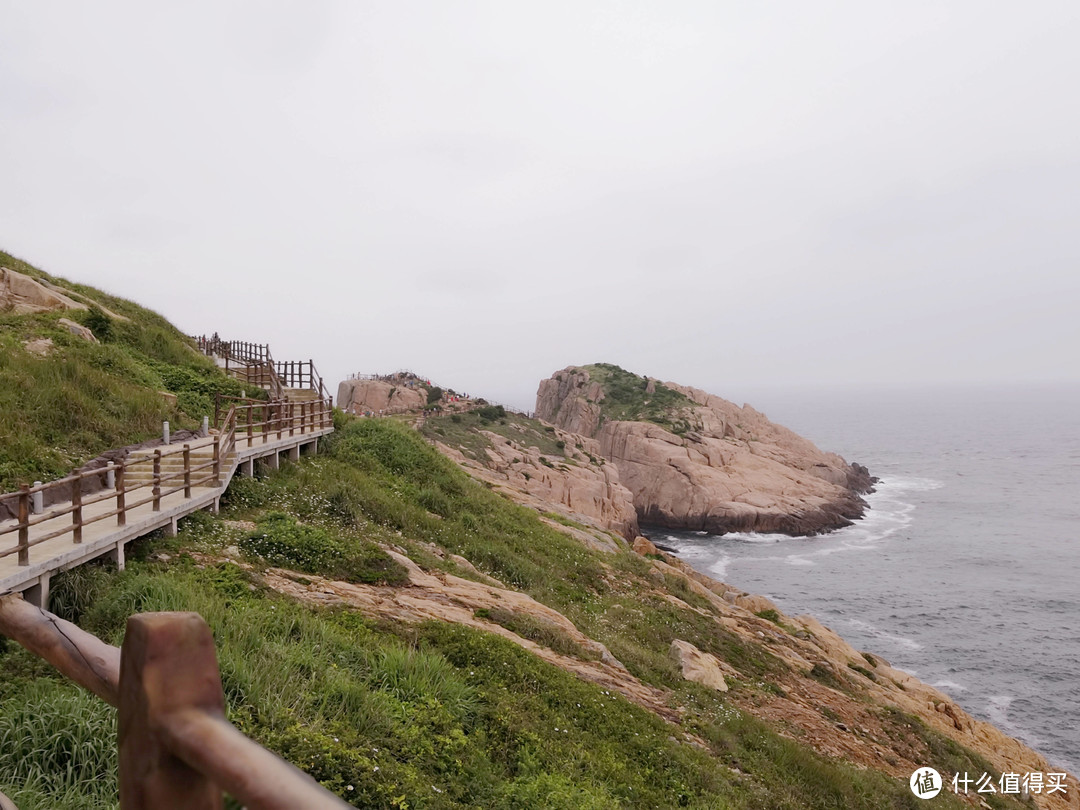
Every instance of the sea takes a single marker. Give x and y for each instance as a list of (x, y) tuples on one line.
[(965, 571)]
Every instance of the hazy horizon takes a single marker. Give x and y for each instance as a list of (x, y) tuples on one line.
[(735, 198)]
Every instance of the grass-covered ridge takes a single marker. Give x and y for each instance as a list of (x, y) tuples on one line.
[(60, 409), (431, 715), (627, 398), (464, 431)]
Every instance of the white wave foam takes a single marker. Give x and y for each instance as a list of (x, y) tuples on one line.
[(997, 709), (719, 567), (951, 686), (878, 633)]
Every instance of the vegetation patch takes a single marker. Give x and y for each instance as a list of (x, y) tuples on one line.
[(627, 398), (280, 540), (59, 410), (536, 629), (462, 431)]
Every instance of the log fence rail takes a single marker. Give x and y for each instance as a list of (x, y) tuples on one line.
[(177, 751)]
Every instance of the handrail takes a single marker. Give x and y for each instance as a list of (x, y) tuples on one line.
[(176, 749), (257, 419)]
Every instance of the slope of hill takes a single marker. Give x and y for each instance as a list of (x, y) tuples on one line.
[(414, 639), (66, 396)]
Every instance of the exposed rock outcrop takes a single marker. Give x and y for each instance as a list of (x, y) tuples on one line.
[(705, 463), (700, 667), (575, 486), (22, 295), (381, 396), (78, 330)]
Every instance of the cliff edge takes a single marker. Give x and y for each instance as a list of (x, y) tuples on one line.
[(695, 461)]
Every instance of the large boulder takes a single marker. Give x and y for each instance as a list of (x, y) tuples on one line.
[(22, 295), (700, 667), (388, 395)]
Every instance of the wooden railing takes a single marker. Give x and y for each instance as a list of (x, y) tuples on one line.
[(301, 374), (240, 423), (113, 484), (176, 749), (251, 362)]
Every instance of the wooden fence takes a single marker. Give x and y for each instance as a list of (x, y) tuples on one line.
[(241, 423), (176, 749), (300, 374)]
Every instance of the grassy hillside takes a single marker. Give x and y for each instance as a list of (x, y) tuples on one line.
[(387, 713), (61, 409), (462, 430), (431, 715)]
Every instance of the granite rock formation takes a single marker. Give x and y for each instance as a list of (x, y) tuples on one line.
[(694, 461)]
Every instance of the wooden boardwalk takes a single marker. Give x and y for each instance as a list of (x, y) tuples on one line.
[(150, 489)]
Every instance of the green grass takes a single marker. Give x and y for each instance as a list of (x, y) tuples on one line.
[(432, 715), (59, 411), (382, 713), (280, 540), (626, 399), (462, 431)]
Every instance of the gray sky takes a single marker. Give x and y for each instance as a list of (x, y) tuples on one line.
[(731, 195)]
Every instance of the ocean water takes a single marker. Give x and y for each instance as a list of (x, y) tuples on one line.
[(965, 570)]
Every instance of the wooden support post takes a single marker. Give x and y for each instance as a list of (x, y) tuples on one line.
[(157, 481), (24, 525), (187, 470), (121, 507), (117, 555), (76, 509), (303, 417), (291, 407), (38, 593), (168, 676), (250, 417), (279, 411), (217, 461)]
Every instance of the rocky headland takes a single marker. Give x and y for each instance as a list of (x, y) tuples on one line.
[(692, 460)]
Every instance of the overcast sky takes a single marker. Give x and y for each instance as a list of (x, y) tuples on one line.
[(731, 195)]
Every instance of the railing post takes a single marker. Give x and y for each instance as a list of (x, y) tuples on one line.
[(187, 470), (303, 417), (217, 460), (76, 511), (250, 417), (265, 423), (279, 411), (157, 481), (168, 671), (289, 409), (121, 506), (24, 525)]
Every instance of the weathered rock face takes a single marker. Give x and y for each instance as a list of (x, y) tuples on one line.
[(585, 491), (700, 667), (386, 396), (22, 295), (732, 470)]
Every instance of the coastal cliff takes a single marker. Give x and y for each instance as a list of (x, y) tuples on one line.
[(695, 461)]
